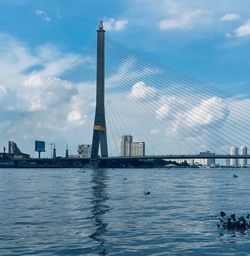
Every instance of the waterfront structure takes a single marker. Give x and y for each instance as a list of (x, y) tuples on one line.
[(243, 152), (205, 160), (234, 151), (84, 150), (99, 129), (227, 162), (14, 152)]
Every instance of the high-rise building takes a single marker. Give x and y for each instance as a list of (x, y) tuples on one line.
[(138, 149), (123, 145), (128, 145), (130, 148), (234, 151), (243, 152), (84, 150)]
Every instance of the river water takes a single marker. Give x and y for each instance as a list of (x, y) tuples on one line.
[(105, 212)]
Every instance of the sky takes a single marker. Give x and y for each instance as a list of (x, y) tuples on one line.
[(39, 40)]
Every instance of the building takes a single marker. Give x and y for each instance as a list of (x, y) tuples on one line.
[(84, 150), (243, 152), (234, 151), (206, 161), (227, 162), (138, 149), (125, 145), (14, 152), (130, 148), (199, 161)]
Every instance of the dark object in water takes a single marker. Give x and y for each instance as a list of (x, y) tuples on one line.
[(222, 214), (235, 176), (125, 178), (231, 223), (146, 193)]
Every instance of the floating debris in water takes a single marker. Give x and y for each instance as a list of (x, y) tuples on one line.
[(235, 176), (232, 223), (146, 193)]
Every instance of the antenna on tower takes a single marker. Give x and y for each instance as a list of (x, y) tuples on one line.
[(101, 24)]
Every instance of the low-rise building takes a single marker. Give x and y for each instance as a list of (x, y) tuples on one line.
[(84, 150)]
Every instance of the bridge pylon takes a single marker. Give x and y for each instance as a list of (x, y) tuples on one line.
[(99, 130)]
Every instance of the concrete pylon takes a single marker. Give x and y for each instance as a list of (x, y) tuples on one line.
[(99, 130)]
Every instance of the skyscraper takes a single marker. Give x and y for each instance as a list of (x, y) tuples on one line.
[(234, 151), (243, 152), (130, 148), (138, 149), (125, 145)]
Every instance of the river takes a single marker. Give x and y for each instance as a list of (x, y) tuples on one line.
[(106, 212)]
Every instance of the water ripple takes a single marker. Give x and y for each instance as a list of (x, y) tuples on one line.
[(105, 212)]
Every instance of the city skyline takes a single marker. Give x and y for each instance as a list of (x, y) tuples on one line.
[(41, 63), (124, 127)]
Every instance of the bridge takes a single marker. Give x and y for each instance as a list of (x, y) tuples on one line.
[(175, 114), (177, 157)]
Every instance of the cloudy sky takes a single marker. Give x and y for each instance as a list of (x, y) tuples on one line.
[(47, 72)]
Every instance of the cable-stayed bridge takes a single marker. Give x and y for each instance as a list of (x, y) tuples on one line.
[(176, 115)]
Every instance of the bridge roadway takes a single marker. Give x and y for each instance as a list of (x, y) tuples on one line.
[(182, 157), (149, 161)]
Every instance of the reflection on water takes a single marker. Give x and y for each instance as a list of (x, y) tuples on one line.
[(99, 207)]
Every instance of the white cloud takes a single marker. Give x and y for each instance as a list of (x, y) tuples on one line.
[(3, 91), (66, 109), (163, 112), (121, 71), (114, 25), (33, 80), (37, 105), (43, 15), (204, 113), (28, 72), (230, 17), (165, 106), (76, 117), (185, 20), (140, 91), (243, 30)]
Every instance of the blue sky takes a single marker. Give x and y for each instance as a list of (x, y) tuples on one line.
[(207, 39), (199, 41)]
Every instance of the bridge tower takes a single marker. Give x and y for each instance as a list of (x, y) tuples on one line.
[(99, 130)]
